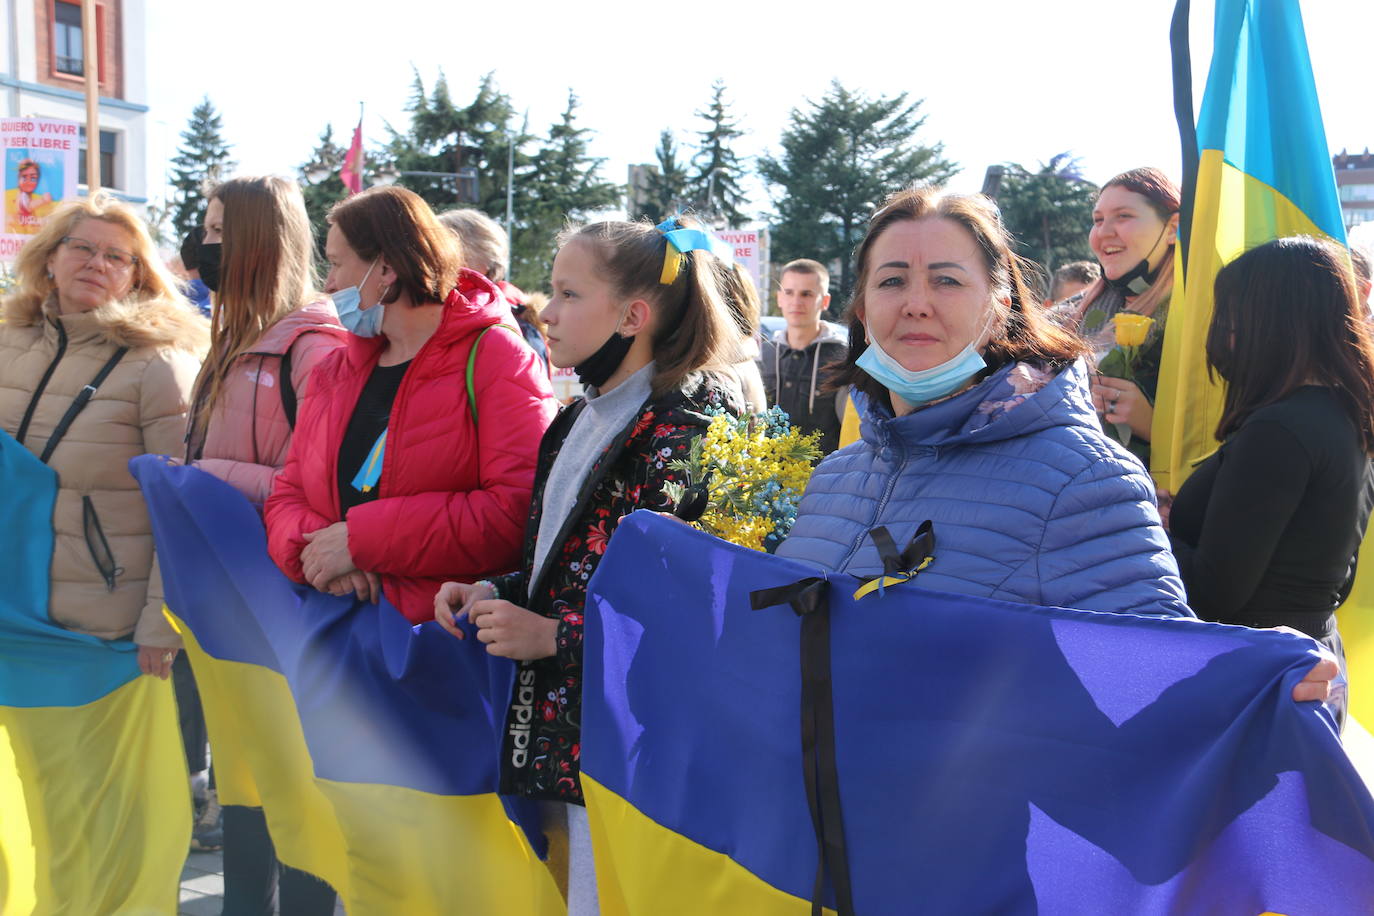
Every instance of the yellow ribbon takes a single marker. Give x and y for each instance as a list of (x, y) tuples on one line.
[(879, 582), (672, 263)]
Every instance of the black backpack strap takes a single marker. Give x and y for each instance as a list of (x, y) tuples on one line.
[(79, 403), (288, 387)]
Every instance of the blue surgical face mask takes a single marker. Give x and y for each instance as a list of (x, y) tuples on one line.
[(359, 321), (918, 387)]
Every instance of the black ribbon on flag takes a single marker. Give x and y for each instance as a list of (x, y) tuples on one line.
[(810, 600)]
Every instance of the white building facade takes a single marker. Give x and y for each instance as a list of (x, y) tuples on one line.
[(44, 77)]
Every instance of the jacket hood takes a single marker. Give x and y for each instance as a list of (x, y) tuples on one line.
[(161, 323), (514, 294), (1064, 401), (830, 333), (318, 316)]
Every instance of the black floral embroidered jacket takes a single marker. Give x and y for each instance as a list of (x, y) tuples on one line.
[(542, 744)]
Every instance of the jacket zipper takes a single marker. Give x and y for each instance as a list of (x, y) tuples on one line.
[(43, 383), (878, 513)]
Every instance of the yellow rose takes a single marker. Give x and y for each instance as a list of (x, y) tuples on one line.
[(1131, 329)]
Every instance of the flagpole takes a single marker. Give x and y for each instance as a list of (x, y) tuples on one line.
[(1181, 55), (92, 68)]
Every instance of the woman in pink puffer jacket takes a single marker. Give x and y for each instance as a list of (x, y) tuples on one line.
[(270, 328), (267, 318)]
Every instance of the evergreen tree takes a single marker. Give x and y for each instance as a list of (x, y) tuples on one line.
[(445, 137), (841, 157), (565, 185), (1048, 211), (320, 181), (715, 184), (666, 193), (201, 161)]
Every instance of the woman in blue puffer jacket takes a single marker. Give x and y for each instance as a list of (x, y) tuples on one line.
[(977, 416)]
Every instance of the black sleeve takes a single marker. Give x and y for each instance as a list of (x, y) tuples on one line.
[(1259, 484)]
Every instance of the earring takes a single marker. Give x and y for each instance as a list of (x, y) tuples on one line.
[(50, 276)]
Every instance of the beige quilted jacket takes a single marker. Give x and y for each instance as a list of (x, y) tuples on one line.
[(100, 519)]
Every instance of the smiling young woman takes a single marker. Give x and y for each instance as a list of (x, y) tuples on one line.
[(1135, 224)]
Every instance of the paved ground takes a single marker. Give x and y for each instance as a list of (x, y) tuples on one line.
[(202, 886)]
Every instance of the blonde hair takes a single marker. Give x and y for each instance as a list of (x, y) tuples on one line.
[(152, 279), (486, 247), (693, 330), (267, 270)]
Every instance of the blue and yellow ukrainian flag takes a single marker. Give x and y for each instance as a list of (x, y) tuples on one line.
[(371, 745), (95, 811), (988, 757), (1262, 171)]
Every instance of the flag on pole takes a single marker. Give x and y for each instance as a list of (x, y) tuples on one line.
[(1257, 168), (371, 746), (95, 815), (984, 757), (352, 172)]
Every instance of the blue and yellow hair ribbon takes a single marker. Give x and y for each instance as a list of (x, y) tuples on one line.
[(371, 471), (680, 241)]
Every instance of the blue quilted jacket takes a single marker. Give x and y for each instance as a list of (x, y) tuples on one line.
[(1034, 506)]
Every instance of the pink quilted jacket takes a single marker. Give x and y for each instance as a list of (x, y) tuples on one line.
[(248, 435)]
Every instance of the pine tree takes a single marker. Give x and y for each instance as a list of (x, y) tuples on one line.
[(565, 185), (840, 158), (1048, 211), (201, 161), (666, 191), (445, 137), (715, 183), (320, 181)]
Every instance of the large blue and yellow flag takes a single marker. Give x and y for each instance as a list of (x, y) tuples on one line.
[(95, 811), (958, 755), (371, 746), (1257, 167)]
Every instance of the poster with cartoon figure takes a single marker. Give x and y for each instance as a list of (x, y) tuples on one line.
[(40, 165)]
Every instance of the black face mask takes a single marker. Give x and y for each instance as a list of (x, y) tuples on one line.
[(1134, 281), (601, 365), (208, 259)]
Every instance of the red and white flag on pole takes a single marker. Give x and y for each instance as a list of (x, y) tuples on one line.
[(352, 171)]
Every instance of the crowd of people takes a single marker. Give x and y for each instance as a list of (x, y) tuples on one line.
[(396, 426)]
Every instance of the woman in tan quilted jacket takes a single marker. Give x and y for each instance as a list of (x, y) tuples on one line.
[(90, 286)]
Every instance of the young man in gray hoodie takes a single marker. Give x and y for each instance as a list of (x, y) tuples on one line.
[(794, 361)]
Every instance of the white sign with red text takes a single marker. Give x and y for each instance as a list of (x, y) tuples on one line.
[(751, 252)]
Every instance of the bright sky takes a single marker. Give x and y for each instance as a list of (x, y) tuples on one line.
[(1002, 81)]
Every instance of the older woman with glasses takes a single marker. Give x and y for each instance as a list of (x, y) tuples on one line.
[(98, 352), (96, 320)]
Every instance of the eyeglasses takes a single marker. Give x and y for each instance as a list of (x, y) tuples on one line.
[(116, 259)]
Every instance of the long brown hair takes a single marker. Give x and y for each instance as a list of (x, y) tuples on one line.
[(1021, 333), (396, 225), (1287, 314), (267, 270), (1165, 199), (693, 330)]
